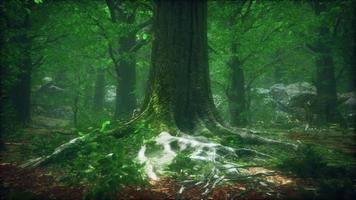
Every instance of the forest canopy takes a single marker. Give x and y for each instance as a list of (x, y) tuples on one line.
[(161, 99)]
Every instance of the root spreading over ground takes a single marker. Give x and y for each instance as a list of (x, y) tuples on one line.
[(200, 162)]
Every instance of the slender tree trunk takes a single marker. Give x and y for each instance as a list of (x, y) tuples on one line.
[(3, 27), (277, 74), (125, 66), (126, 83), (75, 110), (236, 91), (278, 70), (326, 87), (99, 94), (326, 102), (21, 92), (353, 60)]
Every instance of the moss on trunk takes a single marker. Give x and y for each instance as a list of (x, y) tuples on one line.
[(179, 85)]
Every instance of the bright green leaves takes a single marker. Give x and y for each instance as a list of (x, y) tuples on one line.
[(104, 126), (106, 164), (38, 1), (143, 36), (107, 11)]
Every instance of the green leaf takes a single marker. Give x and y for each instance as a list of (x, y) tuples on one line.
[(38, 1), (145, 36), (104, 126)]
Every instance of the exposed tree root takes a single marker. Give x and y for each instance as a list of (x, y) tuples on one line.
[(207, 123), (253, 152), (146, 117), (245, 135), (62, 149), (214, 179)]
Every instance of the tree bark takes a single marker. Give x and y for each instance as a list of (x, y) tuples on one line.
[(99, 94), (75, 108), (325, 74), (326, 87), (125, 65), (179, 86), (21, 92), (236, 91), (126, 82), (278, 70), (3, 27), (353, 60), (179, 96)]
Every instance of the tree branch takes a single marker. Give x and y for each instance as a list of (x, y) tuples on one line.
[(101, 28), (139, 44), (49, 41), (262, 69), (141, 26)]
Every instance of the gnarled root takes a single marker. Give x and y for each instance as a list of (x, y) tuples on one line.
[(244, 135), (40, 161)]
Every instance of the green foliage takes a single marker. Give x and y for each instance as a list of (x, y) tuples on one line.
[(308, 161), (313, 162), (44, 144), (182, 164), (183, 167), (104, 166), (38, 1), (104, 126)]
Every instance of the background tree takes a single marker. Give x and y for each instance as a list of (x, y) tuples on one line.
[(255, 51), (124, 59), (19, 32), (325, 72), (99, 95)]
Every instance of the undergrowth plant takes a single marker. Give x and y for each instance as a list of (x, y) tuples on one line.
[(312, 162), (105, 164)]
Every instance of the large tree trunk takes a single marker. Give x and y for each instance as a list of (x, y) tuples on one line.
[(179, 96), (179, 86), (125, 65), (236, 91)]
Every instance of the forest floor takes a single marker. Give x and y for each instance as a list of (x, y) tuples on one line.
[(45, 183)]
